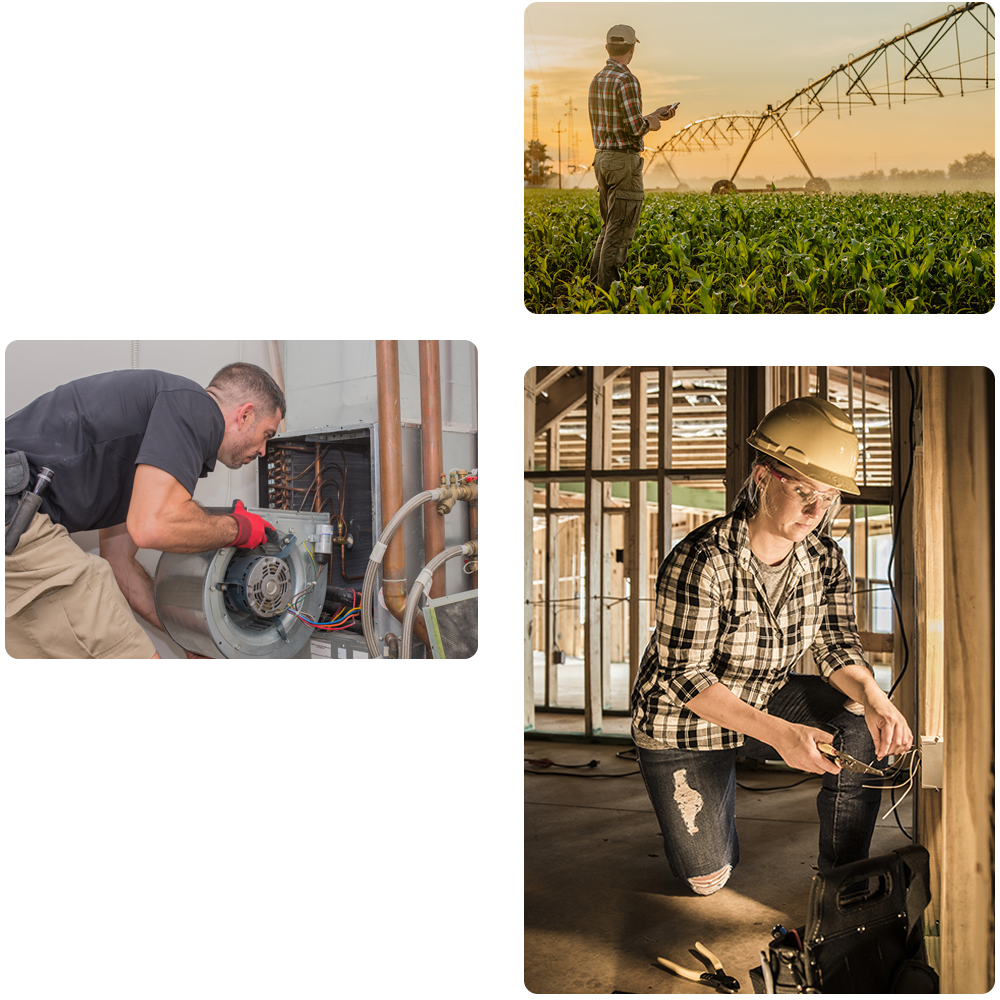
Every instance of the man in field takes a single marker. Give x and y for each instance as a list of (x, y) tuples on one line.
[(618, 125)]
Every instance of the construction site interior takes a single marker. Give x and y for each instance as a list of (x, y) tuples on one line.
[(620, 464)]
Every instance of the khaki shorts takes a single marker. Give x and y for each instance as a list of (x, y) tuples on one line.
[(64, 603)]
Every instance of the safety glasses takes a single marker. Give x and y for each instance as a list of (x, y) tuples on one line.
[(803, 494)]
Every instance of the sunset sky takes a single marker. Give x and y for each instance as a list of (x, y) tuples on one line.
[(717, 58)]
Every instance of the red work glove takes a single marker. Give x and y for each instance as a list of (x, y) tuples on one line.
[(252, 528)]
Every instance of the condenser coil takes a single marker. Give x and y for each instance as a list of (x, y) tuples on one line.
[(453, 625), (233, 603)]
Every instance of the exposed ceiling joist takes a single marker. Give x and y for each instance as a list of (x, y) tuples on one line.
[(565, 394)]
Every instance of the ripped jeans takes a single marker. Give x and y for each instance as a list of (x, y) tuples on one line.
[(693, 792)]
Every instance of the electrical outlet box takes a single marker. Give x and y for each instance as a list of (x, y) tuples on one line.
[(931, 761)]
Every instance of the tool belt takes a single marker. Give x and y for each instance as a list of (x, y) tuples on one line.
[(864, 932), (16, 478)]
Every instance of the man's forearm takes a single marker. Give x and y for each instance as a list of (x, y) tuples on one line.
[(135, 583), (186, 527)]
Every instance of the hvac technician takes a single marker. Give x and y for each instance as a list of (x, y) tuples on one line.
[(738, 601), (126, 450), (618, 125)]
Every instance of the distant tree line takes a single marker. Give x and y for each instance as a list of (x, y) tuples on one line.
[(975, 167)]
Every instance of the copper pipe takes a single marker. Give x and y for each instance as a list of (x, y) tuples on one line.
[(318, 499), (390, 440), (431, 452)]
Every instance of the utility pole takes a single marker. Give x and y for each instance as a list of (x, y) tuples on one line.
[(559, 132), (569, 129), (535, 146)]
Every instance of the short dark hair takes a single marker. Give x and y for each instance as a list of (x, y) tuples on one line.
[(249, 382), (618, 48)]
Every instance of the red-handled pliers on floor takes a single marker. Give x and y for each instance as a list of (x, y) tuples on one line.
[(717, 978)]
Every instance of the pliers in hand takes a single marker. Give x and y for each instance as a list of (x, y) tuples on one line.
[(846, 760), (717, 978)]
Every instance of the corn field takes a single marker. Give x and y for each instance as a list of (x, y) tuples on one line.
[(768, 253)]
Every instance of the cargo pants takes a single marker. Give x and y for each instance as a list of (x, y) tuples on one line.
[(619, 184), (64, 603)]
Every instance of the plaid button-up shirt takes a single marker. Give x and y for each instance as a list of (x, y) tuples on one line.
[(615, 106), (714, 625)]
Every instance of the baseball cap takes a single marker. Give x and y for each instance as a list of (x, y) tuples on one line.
[(622, 34)]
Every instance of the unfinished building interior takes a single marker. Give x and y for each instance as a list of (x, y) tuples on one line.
[(620, 464)]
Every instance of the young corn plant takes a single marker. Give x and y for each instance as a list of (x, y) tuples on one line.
[(760, 253)]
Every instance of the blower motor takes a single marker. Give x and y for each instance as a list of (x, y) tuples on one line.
[(258, 585), (233, 603)]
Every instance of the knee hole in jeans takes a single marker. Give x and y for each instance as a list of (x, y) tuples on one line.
[(705, 885)]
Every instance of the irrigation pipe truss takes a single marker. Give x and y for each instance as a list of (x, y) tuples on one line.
[(861, 89)]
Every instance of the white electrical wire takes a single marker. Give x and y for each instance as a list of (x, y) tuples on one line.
[(913, 768)]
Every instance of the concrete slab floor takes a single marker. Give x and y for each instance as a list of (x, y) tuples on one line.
[(601, 903)]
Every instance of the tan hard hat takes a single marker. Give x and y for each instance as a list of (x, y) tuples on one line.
[(813, 437)]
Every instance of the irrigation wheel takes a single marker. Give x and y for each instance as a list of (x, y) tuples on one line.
[(816, 185), (723, 187)]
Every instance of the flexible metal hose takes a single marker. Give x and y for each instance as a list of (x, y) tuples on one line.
[(416, 592), (375, 560)]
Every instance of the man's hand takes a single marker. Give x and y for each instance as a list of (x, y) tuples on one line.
[(654, 122), (253, 529), (665, 113)]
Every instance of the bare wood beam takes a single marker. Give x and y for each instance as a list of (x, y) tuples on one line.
[(565, 395), (967, 938), (620, 475), (550, 376), (876, 642), (745, 409), (529, 549), (552, 550), (637, 554), (593, 517), (664, 460), (928, 651)]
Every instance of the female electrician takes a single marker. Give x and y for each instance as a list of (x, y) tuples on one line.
[(738, 601)]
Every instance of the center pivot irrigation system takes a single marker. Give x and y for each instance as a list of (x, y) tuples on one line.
[(863, 86)]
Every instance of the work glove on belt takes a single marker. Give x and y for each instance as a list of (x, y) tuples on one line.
[(252, 528)]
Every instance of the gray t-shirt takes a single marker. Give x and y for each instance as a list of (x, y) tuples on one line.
[(94, 431)]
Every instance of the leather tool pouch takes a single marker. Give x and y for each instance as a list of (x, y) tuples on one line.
[(17, 475), (864, 931)]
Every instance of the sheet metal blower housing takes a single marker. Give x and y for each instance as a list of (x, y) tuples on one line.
[(230, 603)]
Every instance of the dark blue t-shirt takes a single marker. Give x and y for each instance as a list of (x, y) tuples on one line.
[(94, 431)]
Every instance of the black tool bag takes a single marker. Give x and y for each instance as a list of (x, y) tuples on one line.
[(16, 478), (864, 932)]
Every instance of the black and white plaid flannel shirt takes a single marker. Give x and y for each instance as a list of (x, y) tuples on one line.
[(714, 625)]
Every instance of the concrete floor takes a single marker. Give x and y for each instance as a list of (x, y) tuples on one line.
[(601, 903)]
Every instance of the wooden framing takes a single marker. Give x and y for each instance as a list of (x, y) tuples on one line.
[(928, 644), (747, 407), (967, 874), (593, 656), (637, 544), (529, 549)]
